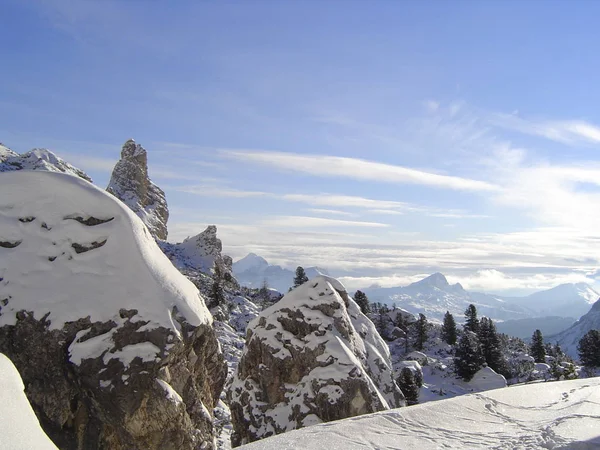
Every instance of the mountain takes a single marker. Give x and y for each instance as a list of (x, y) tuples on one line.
[(524, 328), (130, 183), (560, 415), (312, 357), (569, 338), (115, 346), (252, 270), (37, 159), (433, 296), (565, 300)]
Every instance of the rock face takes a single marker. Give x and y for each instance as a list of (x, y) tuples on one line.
[(37, 159), (115, 347), (312, 357), (130, 184)]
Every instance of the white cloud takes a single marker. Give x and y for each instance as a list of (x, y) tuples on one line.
[(318, 222), (330, 211), (354, 168)]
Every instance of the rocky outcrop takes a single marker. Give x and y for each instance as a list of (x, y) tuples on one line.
[(115, 347), (37, 159), (312, 357), (130, 184)]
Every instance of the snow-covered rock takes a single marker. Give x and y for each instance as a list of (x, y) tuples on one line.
[(312, 357), (486, 379), (560, 415), (19, 427), (130, 184), (252, 270), (115, 346), (569, 338), (37, 159)]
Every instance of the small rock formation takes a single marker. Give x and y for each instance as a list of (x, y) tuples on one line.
[(115, 347), (130, 184), (37, 159), (312, 357)]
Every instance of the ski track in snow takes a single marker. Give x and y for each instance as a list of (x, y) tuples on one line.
[(557, 415)]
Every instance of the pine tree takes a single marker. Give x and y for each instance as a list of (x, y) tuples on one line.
[(491, 346), (264, 295), (537, 349), (589, 349), (449, 333), (421, 328), (408, 385), (300, 277), (217, 294), (383, 320), (362, 301), (471, 321), (468, 359)]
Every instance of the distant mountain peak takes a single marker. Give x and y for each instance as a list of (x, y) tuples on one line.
[(437, 280)]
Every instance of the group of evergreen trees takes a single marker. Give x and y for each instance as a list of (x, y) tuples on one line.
[(479, 344), (589, 349)]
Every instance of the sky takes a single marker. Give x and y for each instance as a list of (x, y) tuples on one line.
[(381, 140)]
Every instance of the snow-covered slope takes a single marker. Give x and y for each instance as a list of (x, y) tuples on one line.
[(312, 357), (569, 338), (85, 255), (559, 415), (565, 300), (19, 427), (37, 159), (252, 270), (433, 296)]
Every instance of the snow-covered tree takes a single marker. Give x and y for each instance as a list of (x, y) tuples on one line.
[(362, 301), (449, 333), (408, 385), (589, 349), (537, 349), (468, 358), (300, 277), (471, 320)]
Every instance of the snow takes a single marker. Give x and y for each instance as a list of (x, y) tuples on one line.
[(557, 415), (46, 274), (19, 426), (486, 379), (171, 393), (569, 338), (37, 159)]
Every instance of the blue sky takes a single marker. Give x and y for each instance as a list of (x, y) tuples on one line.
[(381, 140)]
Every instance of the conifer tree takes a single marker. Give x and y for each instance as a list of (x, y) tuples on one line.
[(537, 349), (409, 387), (362, 301), (421, 329), (468, 358), (217, 294), (264, 295), (449, 333), (300, 277), (471, 321), (589, 349), (491, 346)]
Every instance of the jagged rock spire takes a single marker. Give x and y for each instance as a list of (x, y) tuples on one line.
[(130, 184)]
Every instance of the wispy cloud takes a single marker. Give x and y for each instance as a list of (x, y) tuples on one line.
[(318, 222), (354, 168), (335, 212)]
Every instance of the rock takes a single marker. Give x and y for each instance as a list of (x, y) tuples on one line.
[(115, 347), (130, 184), (37, 159), (312, 357)]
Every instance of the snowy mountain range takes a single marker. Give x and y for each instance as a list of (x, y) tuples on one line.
[(569, 338), (433, 296), (252, 270)]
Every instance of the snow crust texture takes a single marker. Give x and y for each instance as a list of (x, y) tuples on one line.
[(130, 184), (19, 427), (37, 159), (312, 357), (106, 333), (559, 415)]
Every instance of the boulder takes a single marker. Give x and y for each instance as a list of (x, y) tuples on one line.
[(312, 357)]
